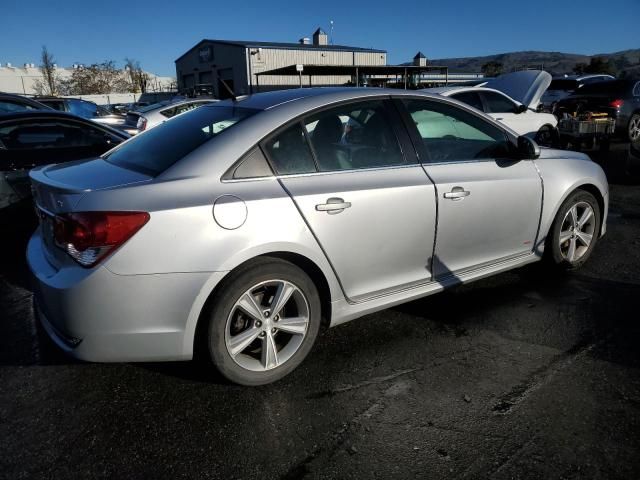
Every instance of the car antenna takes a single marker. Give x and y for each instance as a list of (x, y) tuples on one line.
[(233, 95)]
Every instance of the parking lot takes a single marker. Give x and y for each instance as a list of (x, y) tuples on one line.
[(521, 375)]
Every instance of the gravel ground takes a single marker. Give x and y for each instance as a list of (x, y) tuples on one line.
[(521, 375)]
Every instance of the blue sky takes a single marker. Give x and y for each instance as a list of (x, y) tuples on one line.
[(157, 32)]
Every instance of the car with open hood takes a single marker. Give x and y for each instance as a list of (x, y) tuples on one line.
[(512, 99), (267, 221)]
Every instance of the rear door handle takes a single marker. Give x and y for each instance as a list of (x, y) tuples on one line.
[(333, 206), (457, 193)]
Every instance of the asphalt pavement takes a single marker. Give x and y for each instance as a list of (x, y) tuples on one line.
[(522, 375)]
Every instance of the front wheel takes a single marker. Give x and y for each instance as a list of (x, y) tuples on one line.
[(634, 128), (574, 232), (263, 322), (548, 136)]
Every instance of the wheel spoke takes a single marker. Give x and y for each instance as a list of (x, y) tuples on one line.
[(585, 238), (294, 325), (249, 306), (564, 236), (584, 218), (281, 297), (269, 353), (572, 250), (574, 215), (240, 342)]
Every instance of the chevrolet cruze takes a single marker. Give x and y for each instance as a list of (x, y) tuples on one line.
[(246, 225)]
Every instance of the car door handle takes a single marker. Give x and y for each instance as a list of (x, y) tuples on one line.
[(500, 118), (457, 193), (334, 205)]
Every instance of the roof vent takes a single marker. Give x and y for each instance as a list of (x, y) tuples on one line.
[(320, 38), (305, 41), (8, 65)]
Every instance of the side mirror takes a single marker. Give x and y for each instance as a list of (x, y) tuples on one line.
[(527, 148), (521, 108)]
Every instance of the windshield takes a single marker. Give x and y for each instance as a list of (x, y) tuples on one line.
[(156, 150)]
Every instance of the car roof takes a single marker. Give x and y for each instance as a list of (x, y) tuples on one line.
[(315, 96), (583, 76)]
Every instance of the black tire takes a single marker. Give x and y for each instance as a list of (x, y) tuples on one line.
[(553, 250), (548, 136), (261, 270)]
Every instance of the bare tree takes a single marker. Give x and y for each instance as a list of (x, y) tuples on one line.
[(138, 78), (98, 78), (49, 84)]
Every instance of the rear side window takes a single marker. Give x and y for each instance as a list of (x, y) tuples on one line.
[(83, 109), (470, 98), (41, 134), (565, 85), (7, 106), (155, 150)]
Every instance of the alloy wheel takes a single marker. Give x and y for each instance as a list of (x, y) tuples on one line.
[(576, 232), (634, 128), (267, 325)]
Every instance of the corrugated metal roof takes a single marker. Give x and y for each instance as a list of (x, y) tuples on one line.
[(292, 46)]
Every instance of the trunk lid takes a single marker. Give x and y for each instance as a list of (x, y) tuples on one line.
[(58, 188)]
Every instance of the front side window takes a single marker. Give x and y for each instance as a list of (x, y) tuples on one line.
[(451, 134), (354, 136), (289, 152), (155, 150), (497, 103)]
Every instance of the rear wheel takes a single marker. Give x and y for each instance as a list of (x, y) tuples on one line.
[(574, 232), (263, 322)]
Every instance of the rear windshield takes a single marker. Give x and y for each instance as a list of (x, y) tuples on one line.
[(614, 87), (155, 151), (153, 106), (567, 85)]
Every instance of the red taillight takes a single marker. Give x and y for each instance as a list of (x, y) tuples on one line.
[(90, 236), (617, 103)]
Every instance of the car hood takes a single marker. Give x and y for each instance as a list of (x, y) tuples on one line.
[(527, 87), (553, 153)]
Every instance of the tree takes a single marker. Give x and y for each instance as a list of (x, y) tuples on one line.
[(49, 84), (596, 65), (95, 79), (492, 69), (138, 78)]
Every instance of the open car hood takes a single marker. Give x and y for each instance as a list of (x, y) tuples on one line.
[(526, 86)]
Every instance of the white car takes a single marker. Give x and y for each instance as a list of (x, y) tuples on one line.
[(151, 115), (512, 99)]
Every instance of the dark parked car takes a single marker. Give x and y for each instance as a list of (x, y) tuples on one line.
[(33, 138), (84, 109), (620, 99), (10, 103), (562, 87)]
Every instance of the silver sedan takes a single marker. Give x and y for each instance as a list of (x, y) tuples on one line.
[(245, 226)]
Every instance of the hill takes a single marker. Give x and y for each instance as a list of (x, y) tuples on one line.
[(556, 63)]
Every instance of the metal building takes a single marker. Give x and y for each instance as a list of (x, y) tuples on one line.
[(209, 62)]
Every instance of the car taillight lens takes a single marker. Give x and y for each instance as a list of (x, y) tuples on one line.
[(88, 237), (142, 123), (616, 103)]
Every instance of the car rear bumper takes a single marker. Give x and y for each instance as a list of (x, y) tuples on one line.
[(96, 315)]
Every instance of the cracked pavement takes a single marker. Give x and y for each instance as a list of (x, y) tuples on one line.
[(522, 375)]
